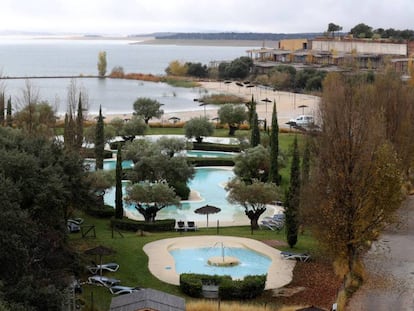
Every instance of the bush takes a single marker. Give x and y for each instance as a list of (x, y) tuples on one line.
[(106, 211), (135, 225), (90, 153), (181, 189), (216, 147), (250, 287)]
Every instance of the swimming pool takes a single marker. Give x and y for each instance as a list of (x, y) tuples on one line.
[(209, 183), (195, 260)]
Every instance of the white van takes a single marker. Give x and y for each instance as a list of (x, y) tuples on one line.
[(303, 120)]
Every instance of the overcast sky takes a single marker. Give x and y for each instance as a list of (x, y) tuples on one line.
[(146, 16)]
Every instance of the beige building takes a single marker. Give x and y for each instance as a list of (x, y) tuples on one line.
[(293, 44)]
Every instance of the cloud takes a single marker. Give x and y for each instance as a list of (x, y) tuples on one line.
[(141, 16)]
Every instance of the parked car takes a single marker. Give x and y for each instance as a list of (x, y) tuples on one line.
[(303, 120)]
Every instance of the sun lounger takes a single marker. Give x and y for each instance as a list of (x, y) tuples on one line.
[(295, 256), (180, 226), (111, 267), (191, 226), (103, 281), (121, 290)]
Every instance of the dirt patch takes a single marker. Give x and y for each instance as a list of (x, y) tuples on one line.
[(319, 282), (275, 243)]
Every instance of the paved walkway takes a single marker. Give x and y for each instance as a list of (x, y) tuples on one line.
[(390, 268)]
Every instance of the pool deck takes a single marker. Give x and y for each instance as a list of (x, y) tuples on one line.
[(161, 262)]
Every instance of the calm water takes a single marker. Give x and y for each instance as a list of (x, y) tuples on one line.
[(37, 57), (209, 182), (194, 260)]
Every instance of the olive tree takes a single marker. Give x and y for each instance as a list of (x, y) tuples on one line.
[(147, 108), (150, 198), (198, 128), (233, 115), (253, 197), (252, 164)]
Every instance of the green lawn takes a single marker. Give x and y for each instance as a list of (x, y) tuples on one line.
[(129, 248), (133, 261)]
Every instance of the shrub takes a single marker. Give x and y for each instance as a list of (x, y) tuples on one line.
[(135, 225), (250, 287), (106, 211), (181, 189)]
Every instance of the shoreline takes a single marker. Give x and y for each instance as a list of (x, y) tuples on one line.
[(288, 105)]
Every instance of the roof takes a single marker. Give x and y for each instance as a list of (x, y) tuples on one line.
[(147, 299)]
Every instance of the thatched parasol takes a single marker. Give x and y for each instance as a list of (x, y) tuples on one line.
[(206, 210)]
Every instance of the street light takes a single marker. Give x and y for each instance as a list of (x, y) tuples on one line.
[(204, 104)]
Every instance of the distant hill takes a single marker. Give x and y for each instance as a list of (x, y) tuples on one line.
[(236, 36)]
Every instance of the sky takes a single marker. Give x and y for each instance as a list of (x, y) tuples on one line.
[(124, 17)]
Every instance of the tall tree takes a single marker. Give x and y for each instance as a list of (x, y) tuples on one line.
[(99, 141), (306, 163), (332, 28), (9, 118), (119, 208), (79, 124), (255, 131), (2, 108), (292, 200), (102, 64), (274, 175), (355, 183)]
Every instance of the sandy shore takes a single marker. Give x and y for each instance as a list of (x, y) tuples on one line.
[(287, 104)]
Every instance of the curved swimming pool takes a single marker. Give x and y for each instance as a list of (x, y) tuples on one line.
[(209, 183)]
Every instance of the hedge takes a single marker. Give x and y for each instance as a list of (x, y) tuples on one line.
[(106, 211), (250, 287), (216, 147), (135, 225), (211, 161)]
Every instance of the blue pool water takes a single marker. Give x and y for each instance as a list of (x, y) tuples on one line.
[(209, 183), (194, 260)]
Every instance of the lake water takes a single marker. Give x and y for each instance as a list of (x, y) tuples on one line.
[(53, 57)]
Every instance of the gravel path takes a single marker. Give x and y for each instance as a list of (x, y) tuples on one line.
[(390, 268)]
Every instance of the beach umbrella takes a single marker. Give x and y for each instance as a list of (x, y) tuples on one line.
[(100, 251), (303, 108), (174, 119), (207, 210)]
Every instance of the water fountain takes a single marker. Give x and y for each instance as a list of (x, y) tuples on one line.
[(223, 260)]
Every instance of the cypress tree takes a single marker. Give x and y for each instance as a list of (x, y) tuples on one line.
[(293, 199), (79, 124), (99, 141), (306, 163), (119, 209), (255, 131), (2, 107), (274, 175), (9, 119)]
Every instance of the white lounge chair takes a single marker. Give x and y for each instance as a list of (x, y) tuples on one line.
[(111, 267), (295, 256), (102, 281), (191, 226), (121, 290)]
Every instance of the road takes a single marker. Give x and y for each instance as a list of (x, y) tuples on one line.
[(390, 268)]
